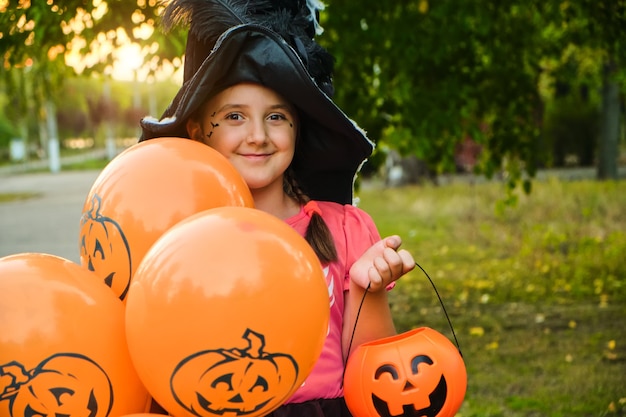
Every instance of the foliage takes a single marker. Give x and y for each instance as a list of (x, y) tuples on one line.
[(7, 132), (419, 76), (45, 31), (536, 293), (39, 39)]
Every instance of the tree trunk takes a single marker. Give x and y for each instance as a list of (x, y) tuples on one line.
[(109, 135), (609, 126), (54, 155)]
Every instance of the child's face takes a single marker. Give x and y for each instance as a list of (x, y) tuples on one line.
[(254, 128)]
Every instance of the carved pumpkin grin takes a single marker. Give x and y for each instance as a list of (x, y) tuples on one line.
[(436, 399)]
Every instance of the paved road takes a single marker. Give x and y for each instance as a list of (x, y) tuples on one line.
[(48, 223)]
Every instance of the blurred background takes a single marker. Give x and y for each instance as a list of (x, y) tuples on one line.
[(500, 157), (441, 87)]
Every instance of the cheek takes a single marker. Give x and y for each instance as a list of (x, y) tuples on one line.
[(220, 140), (285, 139)]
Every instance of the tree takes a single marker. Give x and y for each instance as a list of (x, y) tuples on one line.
[(38, 37), (601, 26), (421, 76), (418, 75)]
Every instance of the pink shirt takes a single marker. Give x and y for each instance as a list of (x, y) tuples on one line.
[(354, 232)]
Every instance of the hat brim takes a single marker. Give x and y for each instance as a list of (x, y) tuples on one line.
[(331, 147)]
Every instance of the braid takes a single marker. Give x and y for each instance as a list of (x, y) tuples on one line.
[(317, 234)]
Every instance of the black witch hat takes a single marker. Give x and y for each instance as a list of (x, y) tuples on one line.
[(270, 43)]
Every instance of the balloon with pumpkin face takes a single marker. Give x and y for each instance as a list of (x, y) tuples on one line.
[(227, 314), (419, 373), (63, 349), (144, 191)]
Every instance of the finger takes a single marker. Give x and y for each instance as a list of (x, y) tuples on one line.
[(393, 242), (394, 262), (408, 262), (376, 280)]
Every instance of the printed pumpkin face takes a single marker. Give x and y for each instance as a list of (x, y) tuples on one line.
[(62, 385), (417, 373), (234, 381), (104, 249)]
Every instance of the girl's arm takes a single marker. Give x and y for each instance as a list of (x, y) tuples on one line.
[(379, 266)]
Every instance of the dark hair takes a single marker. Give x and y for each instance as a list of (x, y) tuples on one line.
[(317, 234)]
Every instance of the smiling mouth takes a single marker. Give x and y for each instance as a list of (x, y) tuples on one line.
[(255, 156)]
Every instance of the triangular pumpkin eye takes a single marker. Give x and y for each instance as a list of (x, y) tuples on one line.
[(98, 250)]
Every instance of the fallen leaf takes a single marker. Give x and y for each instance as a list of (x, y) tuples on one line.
[(493, 346), (477, 331)]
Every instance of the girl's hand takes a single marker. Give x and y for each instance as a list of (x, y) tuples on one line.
[(382, 264)]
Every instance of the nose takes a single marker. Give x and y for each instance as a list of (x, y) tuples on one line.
[(257, 133)]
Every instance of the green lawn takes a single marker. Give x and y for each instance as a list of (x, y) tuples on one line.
[(536, 292)]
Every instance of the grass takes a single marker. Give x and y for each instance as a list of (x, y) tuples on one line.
[(536, 292), (88, 164), (6, 197)]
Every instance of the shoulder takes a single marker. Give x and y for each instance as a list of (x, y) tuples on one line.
[(347, 213), (348, 220), (353, 230)]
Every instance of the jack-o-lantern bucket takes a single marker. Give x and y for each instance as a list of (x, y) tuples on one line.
[(416, 373), (144, 191)]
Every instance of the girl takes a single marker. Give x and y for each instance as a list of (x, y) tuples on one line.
[(252, 98)]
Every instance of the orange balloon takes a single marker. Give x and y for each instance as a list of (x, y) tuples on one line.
[(227, 314), (416, 373), (143, 192), (63, 345)]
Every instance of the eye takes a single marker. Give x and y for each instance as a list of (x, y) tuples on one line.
[(387, 369), (224, 379), (98, 250), (277, 116), (417, 360), (260, 382), (234, 116)]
